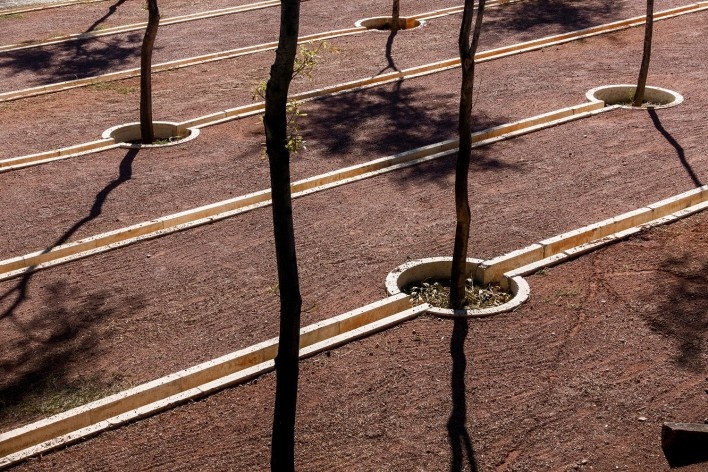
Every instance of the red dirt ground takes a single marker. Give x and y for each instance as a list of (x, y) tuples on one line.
[(562, 380)]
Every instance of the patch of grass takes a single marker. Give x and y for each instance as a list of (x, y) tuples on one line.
[(12, 16), (55, 396), (114, 87), (566, 292)]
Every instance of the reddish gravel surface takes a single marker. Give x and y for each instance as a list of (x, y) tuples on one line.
[(606, 339)]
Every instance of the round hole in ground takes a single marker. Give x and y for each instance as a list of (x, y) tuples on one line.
[(622, 95), (166, 134), (383, 23), (414, 272)]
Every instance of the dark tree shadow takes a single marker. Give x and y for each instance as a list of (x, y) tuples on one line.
[(682, 283), (532, 14), (679, 150), (84, 57), (41, 345), (390, 63), (461, 447), (111, 10)]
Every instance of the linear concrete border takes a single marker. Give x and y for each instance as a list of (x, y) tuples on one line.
[(103, 242), (46, 6), (204, 379), (198, 381), (16, 163), (486, 55), (139, 26), (588, 238)]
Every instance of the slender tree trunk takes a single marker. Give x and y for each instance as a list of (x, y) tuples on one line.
[(468, 49), (646, 55), (395, 15), (146, 131), (275, 123)]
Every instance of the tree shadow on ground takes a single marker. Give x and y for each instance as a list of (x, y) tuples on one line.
[(681, 154), (111, 10), (682, 314), (563, 15), (386, 120), (462, 450), (76, 59), (38, 347), (73, 60)]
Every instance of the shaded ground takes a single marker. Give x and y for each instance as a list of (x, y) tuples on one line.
[(579, 378)]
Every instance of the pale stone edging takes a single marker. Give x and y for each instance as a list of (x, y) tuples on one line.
[(492, 54), (588, 238), (196, 382), (439, 267), (20, 265), (204, 379), (620, 92), (223, 116), (46, 6), (139, 26)]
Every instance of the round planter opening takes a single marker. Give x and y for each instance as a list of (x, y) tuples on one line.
[(654, 97), (383, 23), (166, 134), (439, 268)]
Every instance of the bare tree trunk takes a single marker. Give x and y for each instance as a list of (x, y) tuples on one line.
[(395, 15), (468, 49), (646, 55), (275, 122), (146, 131)]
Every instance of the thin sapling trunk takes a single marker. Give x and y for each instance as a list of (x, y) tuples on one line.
[(146, 130), (646, 55), (276, 130), (468, 48)]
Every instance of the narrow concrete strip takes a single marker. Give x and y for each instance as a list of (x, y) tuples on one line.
[(49, 6), (21, 162), (198, 381), (492, 54), (139, 26), (15, 267), (583, 240)]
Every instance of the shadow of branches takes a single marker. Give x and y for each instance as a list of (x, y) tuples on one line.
[(680, 153), (558, 15), (39, 346), (461, 447), (683, 312)]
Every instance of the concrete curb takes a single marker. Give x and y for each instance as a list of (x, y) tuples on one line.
[(496, 53), (139, 26), (18, 266), (48, 6), (439, 268), (196, 382), (204, 379)]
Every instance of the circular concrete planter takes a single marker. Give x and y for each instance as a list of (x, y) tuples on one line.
[(383, 23), (439, 268), (164, 130), (622, 95)]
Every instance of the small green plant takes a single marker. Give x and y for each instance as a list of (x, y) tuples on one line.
[(305, 62), (114, 87), (12, 16)]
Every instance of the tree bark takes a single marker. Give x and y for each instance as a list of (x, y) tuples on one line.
[(275, 124), (646, 55), (395, 15), (146, 130), (468, 49)]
